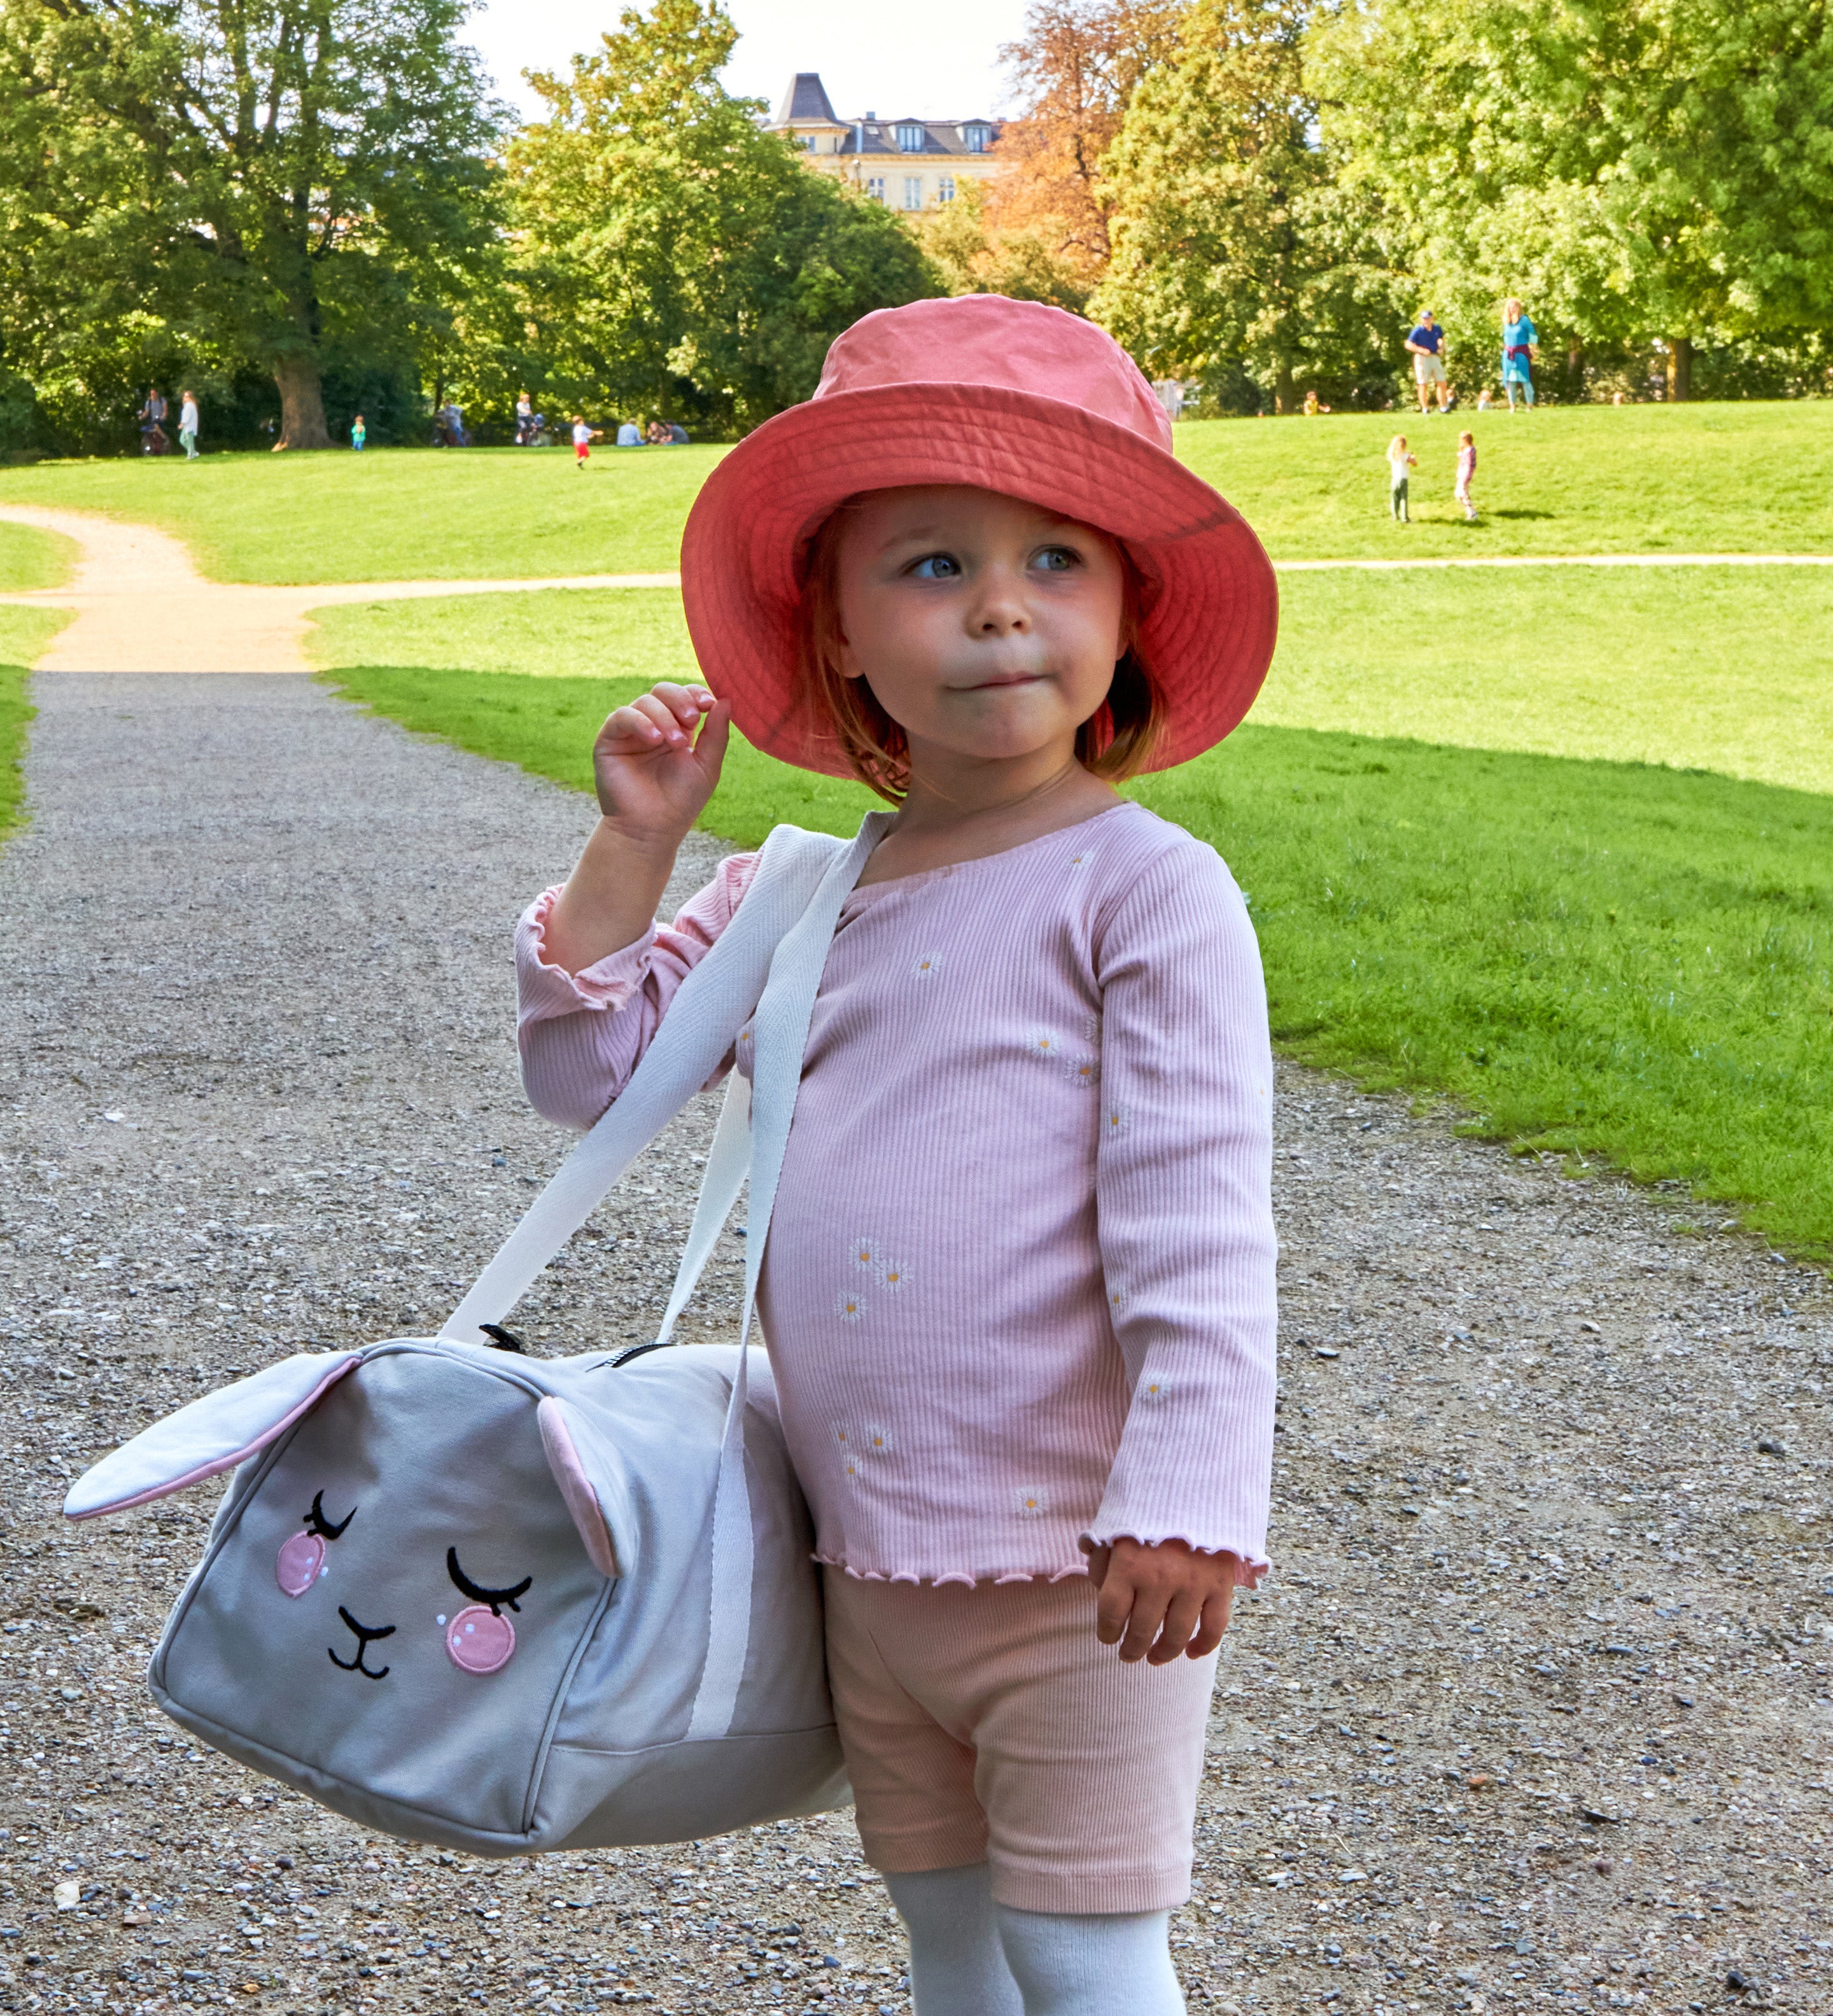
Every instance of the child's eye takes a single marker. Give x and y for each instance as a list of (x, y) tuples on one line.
[(938, 566), (1057, 559)]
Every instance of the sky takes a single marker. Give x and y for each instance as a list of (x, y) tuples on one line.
[(939, 61)]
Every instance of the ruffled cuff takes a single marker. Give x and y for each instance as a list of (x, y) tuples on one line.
[(607, 983), (1249, 1566)]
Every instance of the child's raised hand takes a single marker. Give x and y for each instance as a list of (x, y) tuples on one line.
[(1158, 1602), (652, 778)]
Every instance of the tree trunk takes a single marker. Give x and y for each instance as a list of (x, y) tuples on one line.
[(1679, 367), (1284, 392), (302, 402), (1575, 370)]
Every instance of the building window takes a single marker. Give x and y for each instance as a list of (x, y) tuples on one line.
[(944, 189), (910, 139), (977, 138), (912, 191), (813, 142), (875, 188)]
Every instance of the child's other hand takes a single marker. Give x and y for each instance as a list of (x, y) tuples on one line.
[(652, 778), (1158, 1602)]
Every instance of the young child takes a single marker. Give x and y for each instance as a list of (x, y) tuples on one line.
[(1019, 1288), (583, 438), (1400, 460), (1467, 472), (358, 434)]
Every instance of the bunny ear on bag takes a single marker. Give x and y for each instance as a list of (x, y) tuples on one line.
[(208, 1436), (591, 1481)]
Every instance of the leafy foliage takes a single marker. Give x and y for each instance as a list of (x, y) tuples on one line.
[(276, 183), (1077, 67), (1635, 167), (672, 254), (1232, 236)]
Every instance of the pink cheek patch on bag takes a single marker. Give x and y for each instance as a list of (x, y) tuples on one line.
[(481, 1641), (300, 1563)]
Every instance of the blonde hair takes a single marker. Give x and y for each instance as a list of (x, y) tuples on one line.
[(1399, 440), (1116, 743)]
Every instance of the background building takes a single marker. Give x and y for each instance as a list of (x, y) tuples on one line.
[(907, 163)]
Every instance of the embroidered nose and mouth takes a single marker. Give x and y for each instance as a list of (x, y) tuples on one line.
[(365, 1637)]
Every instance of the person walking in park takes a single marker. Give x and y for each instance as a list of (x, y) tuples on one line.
[(358, 434), (1467, 472), (1401, 460), (1520, 342), (152, 419), (1426, 345), (1035, 1435), (188, 425), (583, 438)]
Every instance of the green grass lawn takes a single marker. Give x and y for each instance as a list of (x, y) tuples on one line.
[(1732, 478), (395, 514), (1693, 668), (30, 559), (23, 634), (1602, 955)]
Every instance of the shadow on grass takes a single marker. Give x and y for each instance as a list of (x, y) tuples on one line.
[(1606, 959)]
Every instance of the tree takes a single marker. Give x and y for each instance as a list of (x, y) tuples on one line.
[(1233, 242), (1077, 67), (665, 244), (262, 180), (1648, 167), (973, 258)]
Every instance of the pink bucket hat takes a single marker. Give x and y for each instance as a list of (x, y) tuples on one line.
[(1003, 395)]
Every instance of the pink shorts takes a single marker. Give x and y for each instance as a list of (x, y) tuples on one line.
[(989, 1724)]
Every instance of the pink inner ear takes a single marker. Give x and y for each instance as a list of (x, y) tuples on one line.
[(569, 1473)]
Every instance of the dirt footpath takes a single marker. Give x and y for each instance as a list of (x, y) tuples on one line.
[(1535, 1712)]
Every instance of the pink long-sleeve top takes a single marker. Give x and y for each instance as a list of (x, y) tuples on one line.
[(1018, 1290)]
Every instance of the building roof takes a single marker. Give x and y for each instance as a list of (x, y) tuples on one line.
[(805, 98), (806, 103)]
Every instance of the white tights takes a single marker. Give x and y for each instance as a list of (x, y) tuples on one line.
[(970, 1956)]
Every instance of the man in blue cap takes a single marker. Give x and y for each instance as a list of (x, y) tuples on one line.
[(1427, 347)]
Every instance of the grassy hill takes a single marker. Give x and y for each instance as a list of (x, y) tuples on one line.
[(1741, 478)]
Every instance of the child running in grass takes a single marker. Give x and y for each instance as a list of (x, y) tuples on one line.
[(1467, 472), (583, 438), (1019, 1286), (1401, 460)]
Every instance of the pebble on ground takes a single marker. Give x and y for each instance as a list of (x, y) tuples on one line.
[(1533, 1714)]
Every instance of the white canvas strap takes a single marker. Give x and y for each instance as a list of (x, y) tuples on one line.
[(780, 1036), (765, 968), (711, 1005)]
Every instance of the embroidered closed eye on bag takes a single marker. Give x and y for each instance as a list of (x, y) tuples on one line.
[(508, 1605)]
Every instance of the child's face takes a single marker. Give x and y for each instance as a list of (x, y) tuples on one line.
[(985, 626)]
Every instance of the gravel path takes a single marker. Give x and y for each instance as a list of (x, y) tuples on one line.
[(142, 606), (1535, 1712)]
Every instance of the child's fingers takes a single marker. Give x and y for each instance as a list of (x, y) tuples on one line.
[(686, 704), (648, 721), (1215, 1622), (1115, 1607), (713, 737), (1182, 1615), (1144, 1619)]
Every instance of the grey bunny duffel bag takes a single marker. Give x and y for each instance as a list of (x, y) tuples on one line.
[(507, 1604)]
